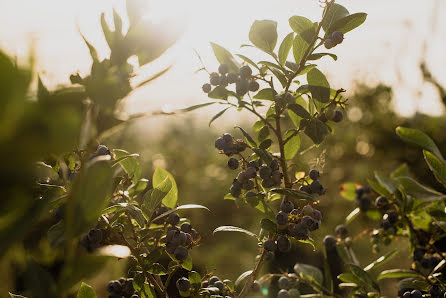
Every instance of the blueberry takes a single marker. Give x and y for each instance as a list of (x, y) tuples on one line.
[(128, 286), (322, 117), (435, 291), (329, 242), (385, 224), (329, 43), (341, 231), (223, 68), (274, 165), (213, 280), (241, 87), (307, 221), (338, 116), (337, 37), (170, 247), (282, 294), (434, 261), (392, 217), (276, 176), (248, 185), (381, 202), (242, 177), (173, 219), (233, 163), (314, 174), (231, 78), (283, 244), (364, 203), (425, 263), (270, 245), (95, 236), (307, 210), (220, 285), (416, 294), (102, 150), (227, 138), (418, 254), (281, 218), (220, 144), (268, 183), (256, 287), (251, 172), (183, 284), (265, 172), (134, 296), (316, 187), (115, 286), (407, 294), (181, 253), (205, 284), (286, 206), (299, 231), (253, 86), (235, 191), (245, 71), (317, 215), (223, 81), (314, 226), (284, 283), (206, 88), (305, 188)]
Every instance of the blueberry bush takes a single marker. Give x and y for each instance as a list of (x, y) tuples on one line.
[(91, 206)]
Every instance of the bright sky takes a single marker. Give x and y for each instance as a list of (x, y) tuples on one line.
[(386, 48)]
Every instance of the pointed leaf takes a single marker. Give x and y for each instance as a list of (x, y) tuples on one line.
[(267, 93), (250, 140), (397, 273), (419, 191), (381, 260), (437, 166), (85, 291), (309, 272), (247, 60), (234, 229), (316, 130), (130, 165), (263, 34), (299, 110), (292, 145), (293, 193), (285, 48), (348, 23), (225, 57), (216, 116), (334, 13), (170, 199), (300, 46), (318, 56), (318, 85), (417, 137)]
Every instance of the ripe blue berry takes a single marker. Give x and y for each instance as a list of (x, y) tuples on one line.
[(206, 88), (283, 244), (270, 245), (220, 285), (220, 143), (286, 206), (227, 138), (341, 231), (241, 87), (233, 163), (265, 172), (314, 174), (223, 68), (281, 218), (418, 254), (305, 188), (317, 215), (213, 280), (337, 37), (245, 72), (253, 86), (268, 183), (231, 78), (274, 165), (282, 294), (329, 242), (248, 185), (173, 219), (416, 294), (284, 283), (381, 202), (180, 253), (435, 291), (338, 116), (329, 43), (102, 150), (183, 284)]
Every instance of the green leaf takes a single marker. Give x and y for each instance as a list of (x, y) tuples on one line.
[(156, 268), (417, 137), (402, 170), (263, 154), (195, 107), (263, 133), (334, 13), (300, 46), (318, 56), (437, 166), (271, 65), (348, 191), (316, 130), (216, 116), (419, 191), (219, 92), (363, 276), (309, 272), (268, 225), (348, 23), (266, 144), (349, 278), (299, 110), (225, 57), (194, 278), (182, 207), (242, 277), (56, 234), (85, 291), (152, 199), (267, 93), (93, 52), (285, 48), (292, 145), (170, 199), (15, 296), (247, 60), (300, 24), (279, 75), (421, 220), (130, 165), (397, 273), (379, 188), (136, 213), (318, 85), (386, 183), (91, 193), (381, 260), (250, 140), (294, 193), (309, 241), (108, 34), (234, 229), (263, 34), (352, 216), (414, 283)]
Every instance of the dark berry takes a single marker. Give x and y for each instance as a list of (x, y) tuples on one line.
[(307, 210), (183, 284), (173, 219), (314, 174), (248, 185), (425, 263), (215, 81), (305, 188), (337, 37), (341, 231), (95, 235), (268, 183), (435, 291), (407, 294), (265, 172), (223, 68), (418, 254), (245, 72), (220, 285), (286, 206), (299, 231), (253, 86), (227, 138), (274, 165), (276, 176), (316, 187), (205, 284), (281, 218), (381, 202), (392, 217), (194, 234), (283, 244), (235, 191), (206, 88), (251, 172), (282, 294), (284, 283), (270, 245), (329, 242), (307, 221), (213, 280), (329, 43), (314, 226), (242, 177), (416, 294), (252, 199), (186, 227), (241, 87), (102, 150), (338, 116), (385, 224), (364, 203), (231, 78), (220, 144), (223, 81), (181, 253), (317, 215), (233, 163)]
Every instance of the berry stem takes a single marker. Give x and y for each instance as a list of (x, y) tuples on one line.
[(253, 275)]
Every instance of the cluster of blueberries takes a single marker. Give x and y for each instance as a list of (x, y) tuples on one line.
[(316, 186), (93, 239), (334, 39), (435, 291), (122, 287), (331, 241), (178, 240), (229, 145), (244, 82), (332, 115), (286, 288), (216, 287), (362, 199), (427, 262), (295, 223)]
